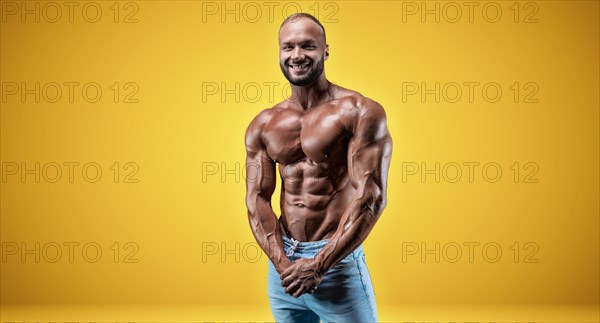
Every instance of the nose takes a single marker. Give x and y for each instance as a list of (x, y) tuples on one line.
[(296, 53)]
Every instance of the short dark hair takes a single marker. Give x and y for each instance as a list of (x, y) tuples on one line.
[(299, 15)]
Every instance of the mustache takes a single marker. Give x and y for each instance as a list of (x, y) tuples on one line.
[(298, 62)]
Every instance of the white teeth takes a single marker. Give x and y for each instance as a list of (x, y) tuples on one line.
[(299, 66)]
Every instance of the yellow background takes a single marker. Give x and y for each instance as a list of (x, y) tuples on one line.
[(176, 136)]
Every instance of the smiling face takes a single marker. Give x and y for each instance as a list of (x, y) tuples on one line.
[(302, 51)]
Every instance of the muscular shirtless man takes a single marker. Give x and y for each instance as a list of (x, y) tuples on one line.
[(333, 149)]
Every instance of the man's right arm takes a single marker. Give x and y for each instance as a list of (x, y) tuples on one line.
[(260, 185)]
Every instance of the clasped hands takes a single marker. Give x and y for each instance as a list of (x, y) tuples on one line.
[(302, 276)]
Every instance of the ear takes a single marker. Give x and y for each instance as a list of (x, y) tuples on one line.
[(326, 52)]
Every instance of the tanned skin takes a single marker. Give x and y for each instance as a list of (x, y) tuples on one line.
[(333, 151)]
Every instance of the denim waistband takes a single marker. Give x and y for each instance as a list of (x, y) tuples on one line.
[(304, 246), (294, 247)]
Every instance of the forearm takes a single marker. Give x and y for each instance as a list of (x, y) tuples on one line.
[(356, 224), (265, 229)]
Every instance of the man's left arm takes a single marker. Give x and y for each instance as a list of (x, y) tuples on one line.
[(369, 155)]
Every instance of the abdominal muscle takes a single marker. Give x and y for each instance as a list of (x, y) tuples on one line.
[(313, 199)]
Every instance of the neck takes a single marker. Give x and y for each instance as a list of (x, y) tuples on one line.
[(311, 95)]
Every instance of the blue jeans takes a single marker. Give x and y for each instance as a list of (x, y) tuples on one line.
[(345, 294)]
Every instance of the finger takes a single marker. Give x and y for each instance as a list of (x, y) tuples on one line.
[(312, 287), (300, 291), (288, 280), (293, 287), (287, 271)]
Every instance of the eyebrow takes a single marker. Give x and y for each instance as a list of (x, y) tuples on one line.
[(308, 41)]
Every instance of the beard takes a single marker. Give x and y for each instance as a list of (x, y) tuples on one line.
[(316, 69)]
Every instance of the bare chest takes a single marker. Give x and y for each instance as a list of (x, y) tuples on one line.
[(292, 135)]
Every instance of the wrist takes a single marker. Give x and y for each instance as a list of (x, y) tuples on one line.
[(321, 269), (282, 265)]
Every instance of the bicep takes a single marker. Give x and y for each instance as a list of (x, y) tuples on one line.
[(260, 168), (370, 149)]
